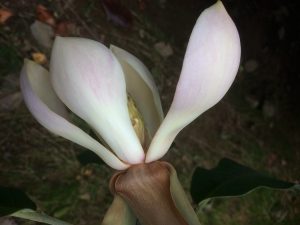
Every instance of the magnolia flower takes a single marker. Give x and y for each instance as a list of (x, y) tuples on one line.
[(113, 91)]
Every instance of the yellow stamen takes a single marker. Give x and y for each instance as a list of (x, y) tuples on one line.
[(136, 120)]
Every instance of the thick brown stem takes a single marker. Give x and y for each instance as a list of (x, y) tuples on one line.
[(146, 188)]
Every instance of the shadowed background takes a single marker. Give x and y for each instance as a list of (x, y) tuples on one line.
[(256, 124)]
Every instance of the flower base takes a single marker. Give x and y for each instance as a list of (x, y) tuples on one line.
[(146, 189)]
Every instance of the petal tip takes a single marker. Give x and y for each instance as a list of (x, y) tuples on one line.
[(217, 6), (113, 47), (218, 9), (28, 62), (58, 39)]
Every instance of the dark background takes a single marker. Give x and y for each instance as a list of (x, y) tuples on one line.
[(256, 124)]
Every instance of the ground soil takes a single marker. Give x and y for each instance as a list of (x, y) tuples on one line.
[(256, 124)]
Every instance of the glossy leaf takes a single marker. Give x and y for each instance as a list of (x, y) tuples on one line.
[(13, 200), (230, 179)]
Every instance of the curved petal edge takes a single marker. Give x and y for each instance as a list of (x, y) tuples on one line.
[(141, 86), (49, 116), (89, 80), (180, 198), (210, 65)]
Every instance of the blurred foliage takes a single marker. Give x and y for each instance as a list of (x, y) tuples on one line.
[(10, 60), (257, 124)]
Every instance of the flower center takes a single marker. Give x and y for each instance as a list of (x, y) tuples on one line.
[(136, 120)]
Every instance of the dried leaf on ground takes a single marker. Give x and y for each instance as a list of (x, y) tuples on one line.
[(164, 49), (39, 57), (5, 14), (85, 196), (65, 29), (44, 15)]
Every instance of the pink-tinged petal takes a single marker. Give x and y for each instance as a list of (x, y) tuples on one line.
[(89, 80), (209, 68), (141, 86), (50, 112)]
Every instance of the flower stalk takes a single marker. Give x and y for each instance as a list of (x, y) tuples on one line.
[(146, 189)]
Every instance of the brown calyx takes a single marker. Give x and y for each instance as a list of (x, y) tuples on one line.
[(146, 189)]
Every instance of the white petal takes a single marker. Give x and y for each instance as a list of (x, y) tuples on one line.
[(49, 111), (209, 68), (39, 80), (89, 80), (141, 86)]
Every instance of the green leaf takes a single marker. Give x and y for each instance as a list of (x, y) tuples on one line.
[(229, 179), (13, 200), (87, 157), (38, 217)]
